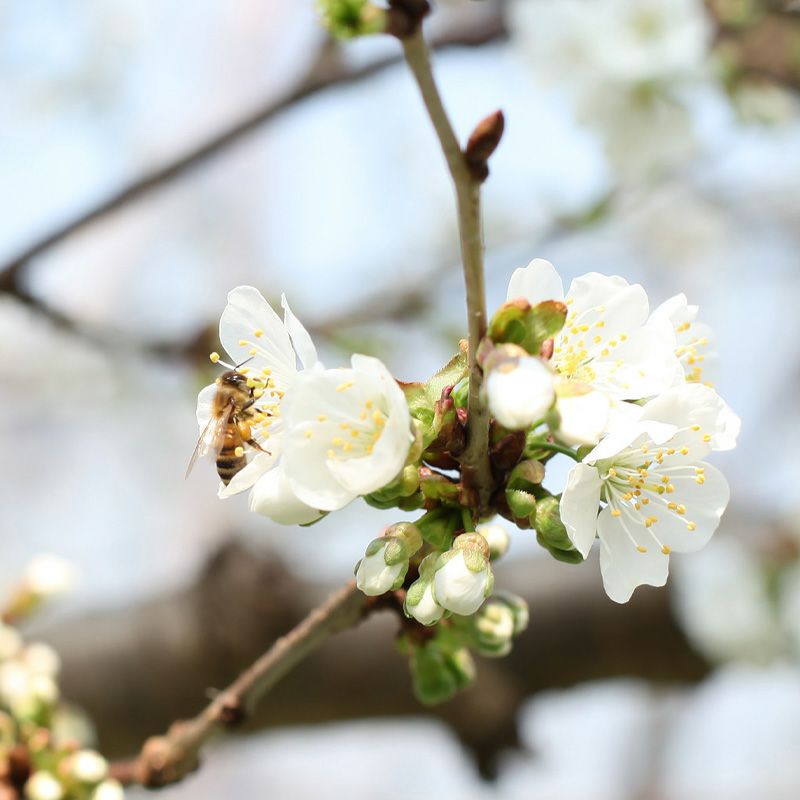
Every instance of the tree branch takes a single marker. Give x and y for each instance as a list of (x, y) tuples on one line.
[(169, 758), (476, 467)]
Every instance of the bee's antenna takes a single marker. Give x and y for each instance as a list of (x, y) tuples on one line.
[(242, 363)]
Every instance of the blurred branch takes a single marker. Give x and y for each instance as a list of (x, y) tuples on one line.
[(328, 71), (137, 669), (170, 758)]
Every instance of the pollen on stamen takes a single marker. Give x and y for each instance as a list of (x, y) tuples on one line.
[(214, 357), (695, 427), (700, 479), (615, 512), (641, 548), (258, 333), (691, 526), (354, 433), (680, 508), (321, 418), (253, 351), (344, 386), (309, 433), (337, 440), (684, 451), (239, 452), (665, 550), (707, 438), (331, 454), (344, 425), (347, 447), (258, 393), (243, 343)]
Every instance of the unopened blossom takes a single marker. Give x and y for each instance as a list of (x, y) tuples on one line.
[(386, 560), (658, 493), (420, 602), (605, 345), (10, 642), (44, 785), (519, 389), (348, 432), (268, 350), (88, 766), (463, 578), (108, 790), (496, 537), (48, 575)]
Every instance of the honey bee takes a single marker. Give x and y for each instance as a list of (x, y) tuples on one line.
[(229, 428)]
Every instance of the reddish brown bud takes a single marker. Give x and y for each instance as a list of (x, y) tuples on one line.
[(482, 143)]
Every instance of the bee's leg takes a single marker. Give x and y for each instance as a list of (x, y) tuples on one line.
[(253, 443)]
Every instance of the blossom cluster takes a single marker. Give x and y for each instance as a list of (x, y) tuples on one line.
[(44, 752), (591, 373)]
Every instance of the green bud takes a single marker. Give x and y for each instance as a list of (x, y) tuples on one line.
[(549, 525), (521, 503), (567, 556), (526, 475), (346, 19), (517, 322), (439, 674), (493, 629), (409, 533)]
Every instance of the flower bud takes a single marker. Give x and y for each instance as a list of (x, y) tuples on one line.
[(41, 659), (519, 388), (420, 600), (48, 576), (530, 327), (87, 766), (497, 538), (463, 577), (109, 790), (551, 533), (10, 642), (347, 19), (385, 562), (43, 786), (496, 623), (438, 673)]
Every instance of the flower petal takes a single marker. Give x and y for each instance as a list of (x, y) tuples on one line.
[(537, 282), (260, 464), (623, 566), (273, 497), (301, 339), (249, 328), (579, 505)]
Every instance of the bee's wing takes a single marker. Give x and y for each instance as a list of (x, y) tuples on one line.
[(211, 438)]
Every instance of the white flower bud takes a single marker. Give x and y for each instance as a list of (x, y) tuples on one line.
[(88, 766), (374, 576), (426, 610), (464, 579), (41, 659), (49, 575), (584, 413), (10, 642), (519, 391), (109, 790), (43, 786), (497, 538)]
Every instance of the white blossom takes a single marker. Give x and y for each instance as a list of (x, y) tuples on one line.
[(605, 345), (268, 350), (348, 432), (48, 575), (426, 610), (88, 766), (10, 642), (496, 537), (374, 576), (519, 391), (463, 577), (584, 413), (272, 497), (659, 495), (43, 785), (109, 790)]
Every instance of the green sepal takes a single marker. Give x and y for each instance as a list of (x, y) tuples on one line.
[(439, 526), (438, 673), (517, 322), (347, 19), (548, 524), (521, 503), (567, 556)]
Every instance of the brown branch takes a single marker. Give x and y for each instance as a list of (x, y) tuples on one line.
[(170, 758), (467, 181), (326, 73)]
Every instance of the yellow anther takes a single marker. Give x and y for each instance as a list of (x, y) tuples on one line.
[(701, 479), (665, 550), (368, 404), (214, 357), (239, 452), (378, 418), (347, 447), (645, 448), (695, 427), (670, 488), (344, 386), (309, 433), (623, 337), (691, 526), (597, 339), (684, 451), (643, 473), (574, 331), (337, 440), (707, 437), (615, 512), (637, 506), (680, 508), (243, 343), (258, 333), (604, 352), (665, 479), (699, 470), (267, 371), (354, 433), (331, 454), (641, 548), (645, 501), (258, 393), (683, 327), (600, 324), (321, 418), (253, 351), (612, 473), (672, 506), (627, 496), (344, 425), (671, 451), (362, 415)]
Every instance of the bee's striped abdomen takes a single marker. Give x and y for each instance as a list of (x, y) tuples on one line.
[(228, 462)]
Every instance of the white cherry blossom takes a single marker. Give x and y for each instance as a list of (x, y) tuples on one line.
[(268, 350), (605, 345), (348, 432), (519, 391), (658, 493)]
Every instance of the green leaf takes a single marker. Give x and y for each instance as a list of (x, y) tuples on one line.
[(517, 322)]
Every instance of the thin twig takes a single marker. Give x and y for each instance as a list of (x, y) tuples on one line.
[(169, 758), (475, 461)]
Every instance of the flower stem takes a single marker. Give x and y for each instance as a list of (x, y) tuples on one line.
[(556, 448), (476, 468)]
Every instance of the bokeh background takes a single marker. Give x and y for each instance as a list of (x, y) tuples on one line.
[(654, 139)]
